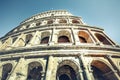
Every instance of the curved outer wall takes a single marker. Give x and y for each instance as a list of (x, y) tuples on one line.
[(56, 45)]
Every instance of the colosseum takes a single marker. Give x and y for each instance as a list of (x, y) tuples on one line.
[(56, 45)]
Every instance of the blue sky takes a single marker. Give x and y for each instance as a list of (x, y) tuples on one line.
[(101, 13)]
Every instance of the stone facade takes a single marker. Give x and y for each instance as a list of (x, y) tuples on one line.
[(56, 45)]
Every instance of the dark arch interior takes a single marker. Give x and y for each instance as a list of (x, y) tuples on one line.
[(50, 22), (63, 39), (102, 39), (6, 70), (28, 38), (75, 21), (34, 71), (45, 40), (66, 72), (82, 39), (98, 74), (62, 21), (14, 39), (64, 77)]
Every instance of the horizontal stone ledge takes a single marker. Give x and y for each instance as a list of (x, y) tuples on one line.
[(56, 48)]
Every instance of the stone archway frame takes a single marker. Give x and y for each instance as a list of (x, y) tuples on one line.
[(65, 33), (12, 66), (70, 63), (105, 67), (41, 64), (84, 34), (45, 34)]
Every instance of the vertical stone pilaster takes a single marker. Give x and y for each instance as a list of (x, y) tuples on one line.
[(53, 37), (75, 37), (49, 68), (19, 72), (20, 41), (93, 37), (109, 58), (91, 73), (54, 72), (1, 67), (0, 43), (80, 74), (35, 39), (85, 68)]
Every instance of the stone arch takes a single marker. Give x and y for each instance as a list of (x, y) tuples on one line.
[(50, 21), (102, 70), (27, 26), (34, 71), (62, 21), (6, 69), (75, 21), (45, 36), (102, 39), (67, 70), (64, 36), (28, 38), (14, 39), (38, 23), (84, 37)]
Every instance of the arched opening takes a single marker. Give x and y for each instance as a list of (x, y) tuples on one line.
[(84, 37), (63, 39), (14, 39), (34, 71), (102, 39), (6, 70), (44, 40), (38, 23), (62, 21), (75, 21), (45, 36), (64, 77), (97, 73), (28, 38), (50, 22), (64, 36), (27, 26), (101, 71), (66, 72)]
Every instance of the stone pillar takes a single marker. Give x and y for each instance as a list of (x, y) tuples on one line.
[(53, 37), (75, 37), (49, 68), (35, 40), (85, 68), (91, 72), (1, 67), (95, 40), (20, 71), (20, 41), (80, 74), (0, 43), (114, 66)]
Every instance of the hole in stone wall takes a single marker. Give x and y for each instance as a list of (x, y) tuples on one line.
[(34, 71), (102, 39), (44, 40), (63, 39), (6, 70)]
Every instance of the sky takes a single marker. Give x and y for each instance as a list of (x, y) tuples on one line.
[(101, 13)]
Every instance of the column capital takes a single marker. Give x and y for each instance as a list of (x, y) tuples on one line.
[(108, 56)]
